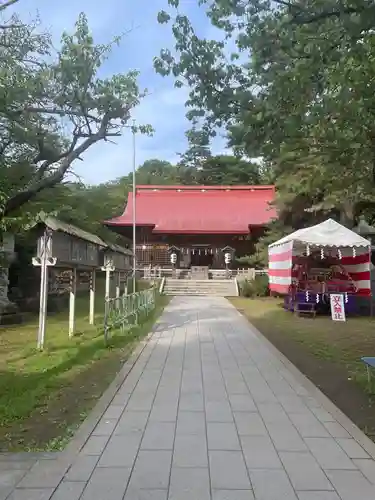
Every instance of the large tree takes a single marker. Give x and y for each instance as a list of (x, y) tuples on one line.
[(53, 106), (296, 89)]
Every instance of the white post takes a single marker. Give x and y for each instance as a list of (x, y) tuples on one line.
[(43, 301), (43, 261), (92, 296), (72, 301), (108, 270), (118, 284)]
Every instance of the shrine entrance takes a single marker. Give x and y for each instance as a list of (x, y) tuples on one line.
[(201, 257)]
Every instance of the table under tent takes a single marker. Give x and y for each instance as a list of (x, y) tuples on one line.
[(310, 264)]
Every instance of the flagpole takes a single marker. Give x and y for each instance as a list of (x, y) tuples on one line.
[(134, 213)]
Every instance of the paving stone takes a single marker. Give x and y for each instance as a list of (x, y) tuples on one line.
[(260, 453), (191, 401), (242, 402), (271, 485), (121, 451), (16, 465), (146, 495), (285, 437), (322, 414), (44, 474), (190, 451), (249, 424), (218, 411), (191, 422), (69, 490), (132, 421), (188, 484), (272, 412), (11, 477), (105, 427), (308, 425), (232, 495), (158, 436), (113, 412), (121, 399), (106, 484), (218, 393), (95, 445), (351, 484), (304, 472), (140, 402), (336, 430), (164, 412), (352, 448), (367, 467), (31, 494), (222, 436), (228, 470), (317, 495), (292, 404), (329, 454), (151, 470), (82, 468)]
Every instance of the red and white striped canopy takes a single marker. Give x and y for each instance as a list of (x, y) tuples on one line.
[(329, 235)]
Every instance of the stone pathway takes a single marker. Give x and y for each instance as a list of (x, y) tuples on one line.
[(210, 411)]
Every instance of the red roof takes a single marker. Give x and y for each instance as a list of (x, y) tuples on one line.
[(199, 209)]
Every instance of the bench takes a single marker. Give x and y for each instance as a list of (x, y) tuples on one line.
[(369, 361), (305, 308)]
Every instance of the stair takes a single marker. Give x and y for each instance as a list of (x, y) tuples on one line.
[(219, 288)]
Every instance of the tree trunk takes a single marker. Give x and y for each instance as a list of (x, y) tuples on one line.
[(347, 214)]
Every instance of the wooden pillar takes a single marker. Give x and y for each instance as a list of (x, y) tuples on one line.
[(92, 296), (72, 301)]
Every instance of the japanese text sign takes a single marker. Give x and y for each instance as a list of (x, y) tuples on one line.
[(337, 307)]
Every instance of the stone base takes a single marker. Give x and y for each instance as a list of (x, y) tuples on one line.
[(10, 314)]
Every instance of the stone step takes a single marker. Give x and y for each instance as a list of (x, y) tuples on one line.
[(195, 287)]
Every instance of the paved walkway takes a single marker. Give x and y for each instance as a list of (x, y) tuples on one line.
[(211, 412)]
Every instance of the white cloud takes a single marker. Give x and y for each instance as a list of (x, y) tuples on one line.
[(163, 108)]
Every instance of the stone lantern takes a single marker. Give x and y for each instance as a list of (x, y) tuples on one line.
[(8, 310)]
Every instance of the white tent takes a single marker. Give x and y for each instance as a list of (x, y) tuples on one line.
[(329, 236), (326, 234)]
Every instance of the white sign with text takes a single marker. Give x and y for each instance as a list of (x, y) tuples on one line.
[(337, 307)]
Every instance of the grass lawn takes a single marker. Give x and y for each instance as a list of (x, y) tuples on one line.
[(327, 352), (45, 395)]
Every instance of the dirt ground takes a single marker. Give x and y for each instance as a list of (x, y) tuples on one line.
[(327, 353)]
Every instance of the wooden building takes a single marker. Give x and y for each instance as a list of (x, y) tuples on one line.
[(198, 223)]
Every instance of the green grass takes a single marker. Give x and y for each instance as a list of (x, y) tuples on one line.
[(341, 343), (44, 395)]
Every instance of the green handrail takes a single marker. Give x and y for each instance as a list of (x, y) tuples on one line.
[(125, 310)]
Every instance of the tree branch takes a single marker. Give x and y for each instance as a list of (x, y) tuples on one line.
[(8, 4), (299, 18), (59, 112), (41, 182)]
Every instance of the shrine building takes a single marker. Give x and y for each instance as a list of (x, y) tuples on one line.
[(198, 223)]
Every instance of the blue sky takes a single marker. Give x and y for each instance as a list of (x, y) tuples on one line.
[(163, 108)]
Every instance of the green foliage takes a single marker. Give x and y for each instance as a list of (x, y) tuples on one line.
[(246, 288), (296, 88), (53, 107), (257, 287)]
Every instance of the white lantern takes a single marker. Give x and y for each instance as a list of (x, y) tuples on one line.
[(173, 258), (227, 258)]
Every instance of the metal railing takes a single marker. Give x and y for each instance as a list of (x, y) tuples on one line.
[(125, 310)]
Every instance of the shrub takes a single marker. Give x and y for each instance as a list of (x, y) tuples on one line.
[(247, 288), (255, 288), (260, 285)]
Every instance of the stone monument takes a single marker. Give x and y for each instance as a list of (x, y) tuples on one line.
[(9, 312)]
